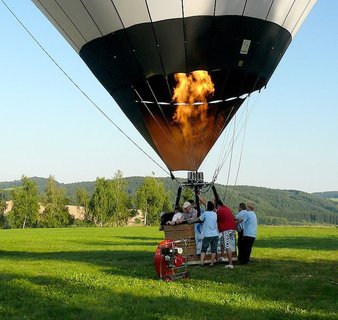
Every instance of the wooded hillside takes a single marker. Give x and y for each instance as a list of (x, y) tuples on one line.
[(273, 206)]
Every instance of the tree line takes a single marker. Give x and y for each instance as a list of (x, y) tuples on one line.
[(108, 205), (112, 202)]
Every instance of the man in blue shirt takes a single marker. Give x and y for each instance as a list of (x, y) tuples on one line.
[(248, 220), (210, 232)]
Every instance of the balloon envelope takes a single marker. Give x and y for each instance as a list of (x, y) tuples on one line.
[(135, 48)]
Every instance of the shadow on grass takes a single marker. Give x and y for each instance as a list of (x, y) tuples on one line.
[(147, 243), (138, 238), (307, 284), (123, 262), (303, 285), (311, 243), (45, 297)]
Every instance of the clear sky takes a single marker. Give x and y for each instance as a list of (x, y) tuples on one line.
[(49, 128)]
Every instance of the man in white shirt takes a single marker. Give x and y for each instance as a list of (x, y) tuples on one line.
[(178, 216), (248, 220)]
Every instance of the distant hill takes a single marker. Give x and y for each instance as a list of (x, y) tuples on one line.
[(274, 206), (333, 195), (70, 188)]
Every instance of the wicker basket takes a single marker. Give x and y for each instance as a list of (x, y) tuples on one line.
[(179, 232), (183, 232), (186, 232)]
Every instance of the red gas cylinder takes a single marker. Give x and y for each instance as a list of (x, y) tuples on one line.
[(166, 259)]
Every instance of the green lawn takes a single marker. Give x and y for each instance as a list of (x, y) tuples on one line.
[(108, 273)]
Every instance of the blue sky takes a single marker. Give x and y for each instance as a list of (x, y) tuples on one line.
[(49, 128)]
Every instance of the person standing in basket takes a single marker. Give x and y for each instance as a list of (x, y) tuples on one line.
[(248, 220), (226, 226), (189, 212)]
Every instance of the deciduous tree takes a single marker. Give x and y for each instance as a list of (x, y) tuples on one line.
[(25, 211), (83, 200), (119, 199), (152, 199), (99, 203), (56, 214), (187, 194), (108, 205), (3, 207)]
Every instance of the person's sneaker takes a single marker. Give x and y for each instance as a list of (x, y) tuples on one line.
[(222, 259), (229, 266)]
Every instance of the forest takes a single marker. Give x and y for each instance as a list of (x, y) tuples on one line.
[(109, 202)]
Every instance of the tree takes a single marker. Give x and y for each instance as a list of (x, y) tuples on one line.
[(25, 211), (109, 203), (3, 206), (83, 200), (99, 203), (152, 199), (187, 194), (119, 200), (56, 214)]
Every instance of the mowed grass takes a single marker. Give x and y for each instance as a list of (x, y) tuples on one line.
[(108, 273)]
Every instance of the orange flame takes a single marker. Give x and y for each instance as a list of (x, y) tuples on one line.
[(191, 95)]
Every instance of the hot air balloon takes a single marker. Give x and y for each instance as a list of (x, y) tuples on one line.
[(155, 58)]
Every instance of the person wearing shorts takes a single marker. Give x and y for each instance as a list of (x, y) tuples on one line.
[(210, 231), (226, 226)]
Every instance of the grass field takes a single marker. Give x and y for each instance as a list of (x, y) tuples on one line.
[(108, 273)]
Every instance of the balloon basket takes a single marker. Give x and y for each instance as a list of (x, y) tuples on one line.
[(189, 234)]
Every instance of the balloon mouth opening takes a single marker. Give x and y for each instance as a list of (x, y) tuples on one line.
[(227, 85), (189, 103), (242, 97), (197, 103)]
